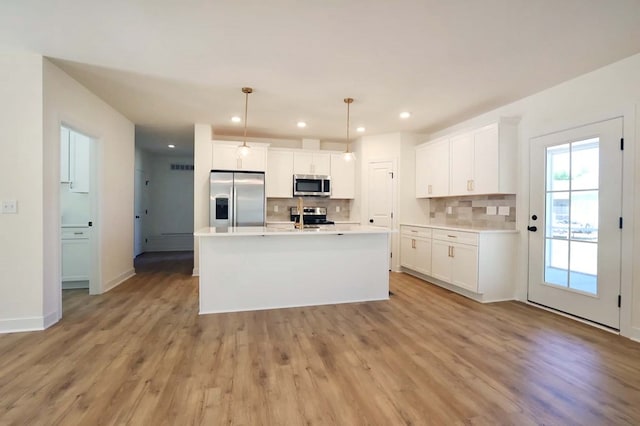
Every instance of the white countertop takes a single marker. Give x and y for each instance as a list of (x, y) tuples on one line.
[(288, 230), (464, 228)]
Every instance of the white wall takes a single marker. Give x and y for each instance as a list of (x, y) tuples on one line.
[(610, 91), (21, 178), (169, 224), (68, 102)]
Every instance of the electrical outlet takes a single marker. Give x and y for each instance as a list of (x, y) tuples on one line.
[(503, 210), (449, 210), (275, 209), (9, 206), (337, 209), (492, 210)]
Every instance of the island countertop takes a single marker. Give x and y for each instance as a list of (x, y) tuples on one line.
[(247, 231)]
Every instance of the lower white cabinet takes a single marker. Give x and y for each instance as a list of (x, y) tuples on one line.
[(415, 249), (481, 262), (75, 257)]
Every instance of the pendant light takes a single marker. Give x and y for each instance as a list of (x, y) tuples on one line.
[(348, 155), (244, 149)]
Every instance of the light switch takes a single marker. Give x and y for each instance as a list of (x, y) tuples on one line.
[(9, 206), (492, 210), (503, 210)]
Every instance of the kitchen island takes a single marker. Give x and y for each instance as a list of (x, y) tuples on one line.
[(252, 268)]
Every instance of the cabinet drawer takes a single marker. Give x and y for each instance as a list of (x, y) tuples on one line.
[(416, 231), (75, 233), (461, 237)]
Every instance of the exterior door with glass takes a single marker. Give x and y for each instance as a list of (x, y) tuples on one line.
[(575, 221)]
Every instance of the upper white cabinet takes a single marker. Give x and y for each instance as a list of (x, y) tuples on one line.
[(311, 163), (64, 154), (343, 177), (481, 161), (74, 160), (225, 157), (432, 169), (279, 173)]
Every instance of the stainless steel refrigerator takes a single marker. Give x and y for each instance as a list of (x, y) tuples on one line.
[(236, 198)]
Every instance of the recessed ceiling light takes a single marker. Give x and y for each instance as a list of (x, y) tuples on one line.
[(171, 146), (360, 129), (405, 114), (302, 124), (236, 119)]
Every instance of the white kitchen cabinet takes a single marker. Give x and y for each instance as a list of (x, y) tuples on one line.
[(79, 157), (480, 264), (343, 177), (64, 154), (415, 249), (432, 169), (225, 157), (483, 161), (74, 160), (456, 258), (311, 163), (279, 176), (75, 257)]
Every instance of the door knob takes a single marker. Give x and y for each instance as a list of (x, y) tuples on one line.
[(370, 220), (532, 228)]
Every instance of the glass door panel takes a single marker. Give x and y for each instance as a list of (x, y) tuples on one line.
[(571, 228)]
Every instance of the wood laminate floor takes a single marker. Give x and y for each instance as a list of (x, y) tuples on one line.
[(141, 355)]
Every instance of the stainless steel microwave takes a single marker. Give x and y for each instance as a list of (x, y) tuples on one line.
[(311, 185)]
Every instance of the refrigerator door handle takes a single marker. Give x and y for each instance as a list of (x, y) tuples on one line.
[(234, 220)]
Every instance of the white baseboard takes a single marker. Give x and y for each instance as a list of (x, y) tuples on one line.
[(196, 272), (111, 284), (19, 325), (481, 298), (51, 319)]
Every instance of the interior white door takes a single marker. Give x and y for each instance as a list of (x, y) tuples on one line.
[(575, 220), (138, 209), (381, 194)]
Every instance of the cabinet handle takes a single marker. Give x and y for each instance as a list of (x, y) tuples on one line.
[(78, 233), (468, 185), (413, 243), (453, 253), (429, 189), (452, 236), (473, 185), (449, 251)]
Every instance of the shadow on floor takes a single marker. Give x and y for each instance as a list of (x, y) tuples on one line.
[(165, 261)]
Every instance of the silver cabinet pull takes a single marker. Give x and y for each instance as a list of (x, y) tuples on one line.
[(78, 233)]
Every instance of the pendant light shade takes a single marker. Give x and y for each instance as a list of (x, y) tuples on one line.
[(244, 149), (348, 154)]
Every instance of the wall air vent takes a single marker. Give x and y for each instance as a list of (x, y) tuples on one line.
[(182, 167)]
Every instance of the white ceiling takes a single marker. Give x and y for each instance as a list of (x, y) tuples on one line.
[(167, 64)]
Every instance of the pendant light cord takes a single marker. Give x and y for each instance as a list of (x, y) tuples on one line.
[(246, 106)]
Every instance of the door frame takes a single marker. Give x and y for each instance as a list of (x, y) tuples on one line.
[(95, 284), (394, 236), (630, 114)]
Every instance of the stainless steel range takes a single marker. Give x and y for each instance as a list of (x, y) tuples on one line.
[(312, 217)]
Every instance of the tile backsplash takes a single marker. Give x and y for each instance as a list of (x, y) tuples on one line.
[(472, 211), (285, 203)]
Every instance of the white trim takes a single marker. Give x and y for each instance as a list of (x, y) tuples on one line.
[(51, 319), (196, 272), (477, 297), (111, 284), (19, 325)]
